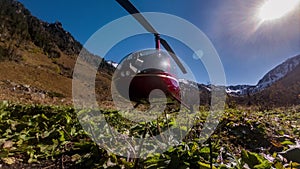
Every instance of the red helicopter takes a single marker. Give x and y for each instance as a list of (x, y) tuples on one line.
[(144, 71)]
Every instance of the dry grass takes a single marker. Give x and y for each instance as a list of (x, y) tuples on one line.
[(52, 75)]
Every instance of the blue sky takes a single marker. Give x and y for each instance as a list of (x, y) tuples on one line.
[(247, 48)]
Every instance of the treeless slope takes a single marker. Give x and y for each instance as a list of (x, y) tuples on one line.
[(37, 59), (36, 78), (284, 92)]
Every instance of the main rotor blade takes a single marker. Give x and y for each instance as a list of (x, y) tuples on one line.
[(137, 15), (140, 18), (173, 55)]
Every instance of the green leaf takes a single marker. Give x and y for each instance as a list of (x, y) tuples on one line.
[(278, 165), (205, 150), (43, 147), (44, 117), (254, 160), (126, 163), (62, 135), (204, 165), (287, 142), (68, 118)]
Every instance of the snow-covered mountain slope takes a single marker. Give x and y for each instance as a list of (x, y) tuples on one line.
[(112, 63), (279, 87), (278, 72), (271, 77), (239, 89), (283, 92)]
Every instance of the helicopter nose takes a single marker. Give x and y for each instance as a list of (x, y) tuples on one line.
[(142, 74)]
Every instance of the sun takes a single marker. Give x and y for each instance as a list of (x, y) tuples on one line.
[(275, 9)]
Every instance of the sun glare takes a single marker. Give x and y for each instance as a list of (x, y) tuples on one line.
[(275, 9)]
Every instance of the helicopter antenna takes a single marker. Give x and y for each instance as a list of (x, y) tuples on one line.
[(127, 5)]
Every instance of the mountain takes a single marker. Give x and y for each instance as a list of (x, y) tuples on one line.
[(278, 72), (268, 79), (37, 59), (112, 63), (192, 91), (279, 87), (282, 92), (239, 90), (19, 26)]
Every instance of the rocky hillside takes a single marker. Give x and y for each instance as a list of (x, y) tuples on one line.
[(278, 72), (18, 26), (37, 59), (268, 80), (283, 92), (279, 87)]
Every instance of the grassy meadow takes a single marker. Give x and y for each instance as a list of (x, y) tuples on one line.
[(41, 136)]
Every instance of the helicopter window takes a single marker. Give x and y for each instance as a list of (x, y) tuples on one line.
[(134, 69), (152, 70), (157, 61), (147, 52), (139, 62)]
